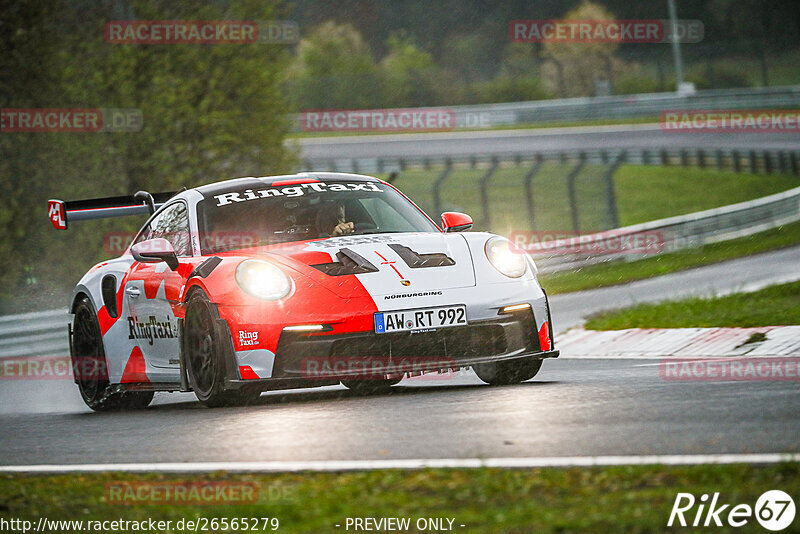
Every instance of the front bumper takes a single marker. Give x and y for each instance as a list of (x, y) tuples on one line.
[(328, 358)]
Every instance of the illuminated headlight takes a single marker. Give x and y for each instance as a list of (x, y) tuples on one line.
[(512, 263), (263, 280)]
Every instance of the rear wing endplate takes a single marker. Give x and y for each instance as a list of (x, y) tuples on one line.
[(61, 212)]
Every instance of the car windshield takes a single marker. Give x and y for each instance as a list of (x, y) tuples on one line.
[(242, 218)]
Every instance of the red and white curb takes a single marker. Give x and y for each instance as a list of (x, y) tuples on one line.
[(410, 464), (657, 343)]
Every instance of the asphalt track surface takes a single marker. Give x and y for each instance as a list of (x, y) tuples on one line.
[(641, 136), (574, 407)]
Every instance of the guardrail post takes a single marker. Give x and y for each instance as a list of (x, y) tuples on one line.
[(573, 196), (331, 166), (354, 165), (611, 197), (484, 187), (782, 165), (684, 158), (793, 160), (645, 157), (767, 162), (737, 165), (401, 163), (528, 182), (380, 166), (437, 186), (701, 159), (719, 160), (753, 162), (664, 158)]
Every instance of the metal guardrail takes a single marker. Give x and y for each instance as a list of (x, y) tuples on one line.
[(614, 107), (34, 334), (684, 231), (756, 161), (44, 333)]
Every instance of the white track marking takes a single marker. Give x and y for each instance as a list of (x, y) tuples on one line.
[(363, 465)]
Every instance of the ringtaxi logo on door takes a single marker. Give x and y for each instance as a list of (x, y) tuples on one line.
[(774, 510)]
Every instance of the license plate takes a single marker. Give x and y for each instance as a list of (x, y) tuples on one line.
[(420, 319)]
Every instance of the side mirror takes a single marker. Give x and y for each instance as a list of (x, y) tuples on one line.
[(154, 251), (452, 221)]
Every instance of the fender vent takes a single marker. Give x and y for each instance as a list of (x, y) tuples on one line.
[(419, 261), (349, 263), (108, 287)]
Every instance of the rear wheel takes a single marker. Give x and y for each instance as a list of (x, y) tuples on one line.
[(508, 372), (205, 360), (90, 368)]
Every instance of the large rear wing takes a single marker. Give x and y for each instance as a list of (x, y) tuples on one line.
[(61, 212)]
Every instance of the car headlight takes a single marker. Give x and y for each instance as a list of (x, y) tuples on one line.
[(512, 263), (263, 280)]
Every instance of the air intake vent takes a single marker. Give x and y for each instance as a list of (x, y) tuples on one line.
[(349, 263)]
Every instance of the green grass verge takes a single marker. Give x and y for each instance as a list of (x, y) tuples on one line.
[(613, 499), (771, 306), (620, 272), (643, 193)]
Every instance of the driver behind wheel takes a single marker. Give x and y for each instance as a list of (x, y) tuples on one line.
[(331, 220)]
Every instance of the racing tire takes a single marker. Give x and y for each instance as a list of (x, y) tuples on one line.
[(90, 367), (509, 372), (371, 387), (204, 354)]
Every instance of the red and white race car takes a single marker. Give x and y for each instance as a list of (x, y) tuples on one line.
[(254, 284)]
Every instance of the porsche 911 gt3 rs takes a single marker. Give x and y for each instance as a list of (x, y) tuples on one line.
[(254, 284)]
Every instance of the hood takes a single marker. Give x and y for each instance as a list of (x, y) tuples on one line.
[(384, 264)]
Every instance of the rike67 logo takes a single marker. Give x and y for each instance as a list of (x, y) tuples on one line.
[(774, 510)]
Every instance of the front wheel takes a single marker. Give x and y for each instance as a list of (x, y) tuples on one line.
[(504, 373), (205, 357), (90, 368)]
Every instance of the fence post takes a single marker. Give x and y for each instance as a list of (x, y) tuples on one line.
[(701, 159), (611, 197), (528, 181), (573, 197), (767, 162), (437, 186), (793, 161), (484, 187), (719, 160), (753, 162)]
